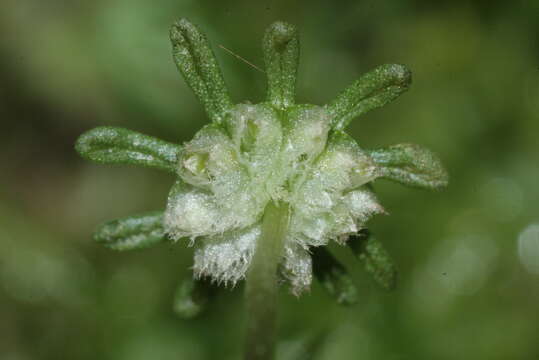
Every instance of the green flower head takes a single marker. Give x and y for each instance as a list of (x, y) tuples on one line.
[(276, 152)]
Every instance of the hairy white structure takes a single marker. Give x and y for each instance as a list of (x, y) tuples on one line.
[(229, 172), (264, 187)]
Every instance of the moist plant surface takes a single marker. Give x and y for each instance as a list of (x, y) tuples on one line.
[(262, 188)]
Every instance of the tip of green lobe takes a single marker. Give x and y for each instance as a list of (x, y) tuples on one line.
[(83, 144), (401, 74), (179, 29), (281, 32)]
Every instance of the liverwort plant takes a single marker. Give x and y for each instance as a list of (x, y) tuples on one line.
[(263, 188)]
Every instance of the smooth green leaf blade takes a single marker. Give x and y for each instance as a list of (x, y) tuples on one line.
[(111, 145), (281, 57), (192, 297), (374, 258), (373, 90), (411, 165), (333, 277), (134, 232), (196, 61)]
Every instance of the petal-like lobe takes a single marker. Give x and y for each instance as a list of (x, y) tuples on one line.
[(112, 145), (373, 90), (134, 232), (196, 62), (411, 165), (281, 56)]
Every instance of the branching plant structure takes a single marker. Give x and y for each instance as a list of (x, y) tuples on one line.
[(262, 189)]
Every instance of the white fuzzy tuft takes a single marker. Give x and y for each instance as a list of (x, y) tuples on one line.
[(229, 173), (226, 258), (297, 268)]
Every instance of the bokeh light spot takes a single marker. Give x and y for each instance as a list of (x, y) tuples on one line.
[(502, 198), (528, 248)]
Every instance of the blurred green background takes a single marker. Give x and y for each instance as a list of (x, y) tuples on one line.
[(468, 256)]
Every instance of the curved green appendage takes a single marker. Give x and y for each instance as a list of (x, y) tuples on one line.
[(373, 90), (111, 145), (196, 62), (281, 57), (192, 296), (134, 232), (374, 257), (333, 277), (411, 165)]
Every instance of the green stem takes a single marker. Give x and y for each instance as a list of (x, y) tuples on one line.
[(261, 288)]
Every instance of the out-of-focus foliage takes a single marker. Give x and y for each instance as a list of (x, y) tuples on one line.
[(468, 257)]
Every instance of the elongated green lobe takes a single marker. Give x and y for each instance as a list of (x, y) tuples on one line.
[(111, 145), (196, 62), (373, 90), (134, 232), (263, 183), (375, 258), (281, 57), (411, 165), (333, 277), (192, 296)]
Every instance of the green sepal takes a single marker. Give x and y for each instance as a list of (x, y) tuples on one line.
[(196, 62), (374, 258), (281, 57), (373, 90), (192, 296), (411, 165), (333, 277), (112, 145), (134, 232)]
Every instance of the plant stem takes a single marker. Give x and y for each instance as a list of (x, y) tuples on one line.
[(261, 286)]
